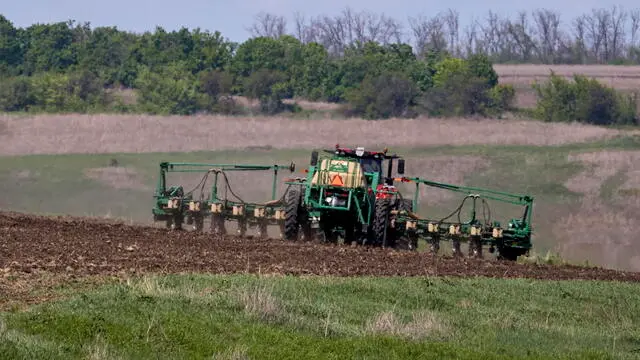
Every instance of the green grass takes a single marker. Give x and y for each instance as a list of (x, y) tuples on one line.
[(199, 316)]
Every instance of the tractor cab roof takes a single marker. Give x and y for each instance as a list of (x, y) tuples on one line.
[(361, 153)]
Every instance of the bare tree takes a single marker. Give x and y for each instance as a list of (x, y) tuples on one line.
[(599, 35), (494, 36), (268, 25), (618, 22), (580, 46), (348, 28), (548, 29), (470, 39), (594, 36), (635, 25), (305, 32), (452, 22), (429, 33), (331, 33), (366, 26), (519, 32)]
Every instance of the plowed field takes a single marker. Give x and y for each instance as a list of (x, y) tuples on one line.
[(89, 247)]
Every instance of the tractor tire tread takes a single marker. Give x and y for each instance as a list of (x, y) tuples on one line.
[(292, 212), (380, 221)]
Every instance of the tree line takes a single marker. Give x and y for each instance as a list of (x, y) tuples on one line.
[(357, 59)]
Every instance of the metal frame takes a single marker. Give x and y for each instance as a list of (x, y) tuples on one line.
[(512, 240), (173, 204)]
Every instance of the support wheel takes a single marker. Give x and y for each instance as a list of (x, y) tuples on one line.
[(262, 230), (176, 224), (434, 244), (217, 225), (198, 223), (242, 227), (456, 248), (475, 248)]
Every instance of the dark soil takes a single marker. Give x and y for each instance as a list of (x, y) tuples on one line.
[(78, 247)]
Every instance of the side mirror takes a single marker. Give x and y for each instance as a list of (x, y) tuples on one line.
[(314, 158), (401, 166)]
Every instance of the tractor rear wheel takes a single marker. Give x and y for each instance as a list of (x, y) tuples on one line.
[(381, 222), (292, 217)]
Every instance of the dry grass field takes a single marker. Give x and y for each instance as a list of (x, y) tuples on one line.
[(604, 226), (521, 76), (67, 134)]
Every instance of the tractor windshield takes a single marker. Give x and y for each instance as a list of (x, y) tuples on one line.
[(371, 165)]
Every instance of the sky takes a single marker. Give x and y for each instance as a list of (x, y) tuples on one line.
[(233, 17)]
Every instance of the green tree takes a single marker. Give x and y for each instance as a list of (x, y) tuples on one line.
[(457, 91), (383, 96), (209, 51), (105, 53), (172, 90), (259, 53), (48, 48), (16, 94), (481, 67), (10, 50), (270, 88), (217, 85)]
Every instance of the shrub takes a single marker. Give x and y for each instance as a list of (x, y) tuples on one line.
[(480, 66), (170, 91), (383, 96), (459, 95), (583, 100), (51, 92), (270, 87), (448, 69), (217, 86), (16, 94), (502, 97), (458, 91)]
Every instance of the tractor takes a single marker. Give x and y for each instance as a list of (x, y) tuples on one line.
[(347, 193)]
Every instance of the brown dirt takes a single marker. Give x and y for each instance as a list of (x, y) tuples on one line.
[(79, 247)]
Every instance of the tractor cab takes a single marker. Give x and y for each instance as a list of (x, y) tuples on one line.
[(371, 162)]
